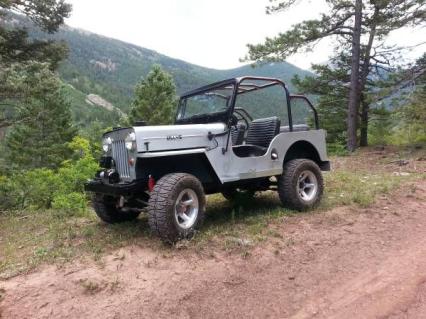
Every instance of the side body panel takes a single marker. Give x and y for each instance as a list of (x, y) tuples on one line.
[(230, 168)]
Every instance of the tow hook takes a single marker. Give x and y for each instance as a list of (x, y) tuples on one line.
[(121, 202)]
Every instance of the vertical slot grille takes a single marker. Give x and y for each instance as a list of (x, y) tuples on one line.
[(121, 158)]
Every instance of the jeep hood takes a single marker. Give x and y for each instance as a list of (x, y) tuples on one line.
[(175, 137)]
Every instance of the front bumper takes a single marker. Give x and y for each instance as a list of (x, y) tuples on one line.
[(119, 189)]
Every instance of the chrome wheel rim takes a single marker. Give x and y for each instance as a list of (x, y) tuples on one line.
[(307, 186), (186, 208)]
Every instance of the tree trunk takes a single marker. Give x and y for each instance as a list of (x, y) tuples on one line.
[(354, 96), (365, 70), (363, 141)]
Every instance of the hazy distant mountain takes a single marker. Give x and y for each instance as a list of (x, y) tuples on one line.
[(110, 68)]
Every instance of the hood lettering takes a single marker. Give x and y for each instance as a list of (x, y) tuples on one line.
[(174, 137)]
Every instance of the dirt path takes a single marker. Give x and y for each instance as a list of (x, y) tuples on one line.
[(344, 263)]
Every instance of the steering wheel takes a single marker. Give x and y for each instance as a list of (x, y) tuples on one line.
[(241, 114), (234, 120)]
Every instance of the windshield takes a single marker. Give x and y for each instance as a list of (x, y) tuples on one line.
[(209, 102)]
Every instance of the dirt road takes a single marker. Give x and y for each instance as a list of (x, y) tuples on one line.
[(344, 263)]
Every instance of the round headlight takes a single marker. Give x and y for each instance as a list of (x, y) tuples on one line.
[(106, 144), (130, 141)]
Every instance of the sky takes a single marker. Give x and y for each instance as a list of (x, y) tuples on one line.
[(209, 33)]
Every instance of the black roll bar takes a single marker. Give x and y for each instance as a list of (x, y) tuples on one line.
[(239, 87), (300, 96)]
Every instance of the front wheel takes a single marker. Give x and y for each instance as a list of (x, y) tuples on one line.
[(176, 207), (301, 185), (106, 207)]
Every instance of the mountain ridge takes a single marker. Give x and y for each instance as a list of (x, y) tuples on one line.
[(110, 68)]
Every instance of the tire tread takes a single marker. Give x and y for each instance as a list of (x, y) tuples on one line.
[(160, 219), (287, 189)]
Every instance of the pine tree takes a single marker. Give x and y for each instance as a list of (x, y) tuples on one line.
[(41, 140), (413, 112), (19, 56), (344, 22), (155, 98), (330, 85), (49, 15), (15, 45)]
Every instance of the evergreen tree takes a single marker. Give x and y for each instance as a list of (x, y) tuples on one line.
[(413, 111), (19, 56), (15, 45), (41, 139), (345, 22), (155, 98), (330, 84), (49, 15)]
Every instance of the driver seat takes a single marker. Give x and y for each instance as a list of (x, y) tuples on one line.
[(237, 134), (259, 136)]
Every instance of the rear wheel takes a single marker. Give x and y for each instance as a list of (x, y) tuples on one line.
[(176, 207), (301, 185), (106, 207)]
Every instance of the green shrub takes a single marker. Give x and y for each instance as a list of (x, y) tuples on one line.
[(38, 187), (74, 173), (6, 189), (410, 134), (381, 125), (46, 188), (33, 189), (337, 149), (72, 203)]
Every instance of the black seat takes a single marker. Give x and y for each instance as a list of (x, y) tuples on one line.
[(259, 136)]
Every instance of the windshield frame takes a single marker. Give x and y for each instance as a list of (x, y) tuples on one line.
[(239, 88), (222, 116)]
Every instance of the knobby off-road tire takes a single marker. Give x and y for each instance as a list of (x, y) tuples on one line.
[(301, 185), (176, 207), (106, 209)]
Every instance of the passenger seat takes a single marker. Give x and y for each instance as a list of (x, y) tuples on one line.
[(259, 136)]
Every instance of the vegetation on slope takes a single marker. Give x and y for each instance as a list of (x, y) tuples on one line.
[(29, 238)]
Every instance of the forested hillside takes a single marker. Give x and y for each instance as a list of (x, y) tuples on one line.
[(111, 68)]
